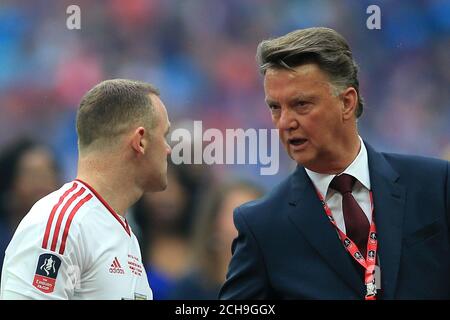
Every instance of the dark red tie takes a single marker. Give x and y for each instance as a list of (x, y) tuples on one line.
[(356, 223)]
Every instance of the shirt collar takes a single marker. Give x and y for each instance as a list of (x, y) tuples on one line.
[(359, 169)]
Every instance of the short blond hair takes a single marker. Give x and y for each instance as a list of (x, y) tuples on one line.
[(111, 107)]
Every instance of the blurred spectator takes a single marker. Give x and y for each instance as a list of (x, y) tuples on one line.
[(28, 172), (165, 220), (211, 246)]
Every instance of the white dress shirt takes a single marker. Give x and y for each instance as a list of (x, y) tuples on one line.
[(359, 169)]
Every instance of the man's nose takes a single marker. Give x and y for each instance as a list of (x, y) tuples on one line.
[(287, 120)]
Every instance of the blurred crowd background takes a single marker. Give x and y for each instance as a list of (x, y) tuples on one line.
[(201, 55)]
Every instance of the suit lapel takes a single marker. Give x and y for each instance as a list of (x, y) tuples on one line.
[(307, 213), (389, 205)]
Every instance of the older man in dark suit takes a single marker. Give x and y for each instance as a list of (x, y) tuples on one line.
[(350, 222)]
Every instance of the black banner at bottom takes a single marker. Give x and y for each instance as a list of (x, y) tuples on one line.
[(186, 310)]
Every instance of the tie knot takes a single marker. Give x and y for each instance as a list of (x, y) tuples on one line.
[(343, 183)]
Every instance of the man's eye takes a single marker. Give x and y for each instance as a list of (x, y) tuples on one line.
[(301, 103), (274, 107)]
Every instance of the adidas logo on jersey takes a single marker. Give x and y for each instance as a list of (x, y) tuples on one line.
[(116, 267)]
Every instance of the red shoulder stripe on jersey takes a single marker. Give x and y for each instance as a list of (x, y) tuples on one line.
[(69, 221), (111, 210), (61, 216), (52, 214)]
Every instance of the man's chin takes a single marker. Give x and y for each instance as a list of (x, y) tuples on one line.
[(163, 184), (157, 187), (300, 158), (163, 187)]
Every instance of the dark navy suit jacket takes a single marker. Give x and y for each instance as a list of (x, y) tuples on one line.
[(287, 248)]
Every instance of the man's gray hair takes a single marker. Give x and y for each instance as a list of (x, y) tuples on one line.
[(323, 46)]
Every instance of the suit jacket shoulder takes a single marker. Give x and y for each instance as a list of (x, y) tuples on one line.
[(416, 165)]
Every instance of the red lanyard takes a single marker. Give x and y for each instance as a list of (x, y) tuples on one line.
[(368, 262)]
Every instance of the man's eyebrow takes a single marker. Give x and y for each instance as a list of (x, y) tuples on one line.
[(270, 101), (303, 96), (300, 96)]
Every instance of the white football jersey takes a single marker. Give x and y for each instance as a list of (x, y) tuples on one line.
[(72, 245)]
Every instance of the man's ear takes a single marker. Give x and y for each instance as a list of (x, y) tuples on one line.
[(349, 102), (138, 141)]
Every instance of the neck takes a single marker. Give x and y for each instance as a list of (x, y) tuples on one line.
[(111, 182), (337, 162)]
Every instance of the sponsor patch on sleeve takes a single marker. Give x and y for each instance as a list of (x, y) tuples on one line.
[(46, 272)]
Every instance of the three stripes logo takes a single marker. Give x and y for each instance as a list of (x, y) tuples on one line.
[(116, 267)]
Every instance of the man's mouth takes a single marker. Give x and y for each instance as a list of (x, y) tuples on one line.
[(297, 141)]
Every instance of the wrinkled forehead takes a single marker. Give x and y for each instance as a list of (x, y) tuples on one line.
[(306, 79), (306, 74)]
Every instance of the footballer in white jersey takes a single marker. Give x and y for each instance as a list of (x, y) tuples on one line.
[(72, 245)]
